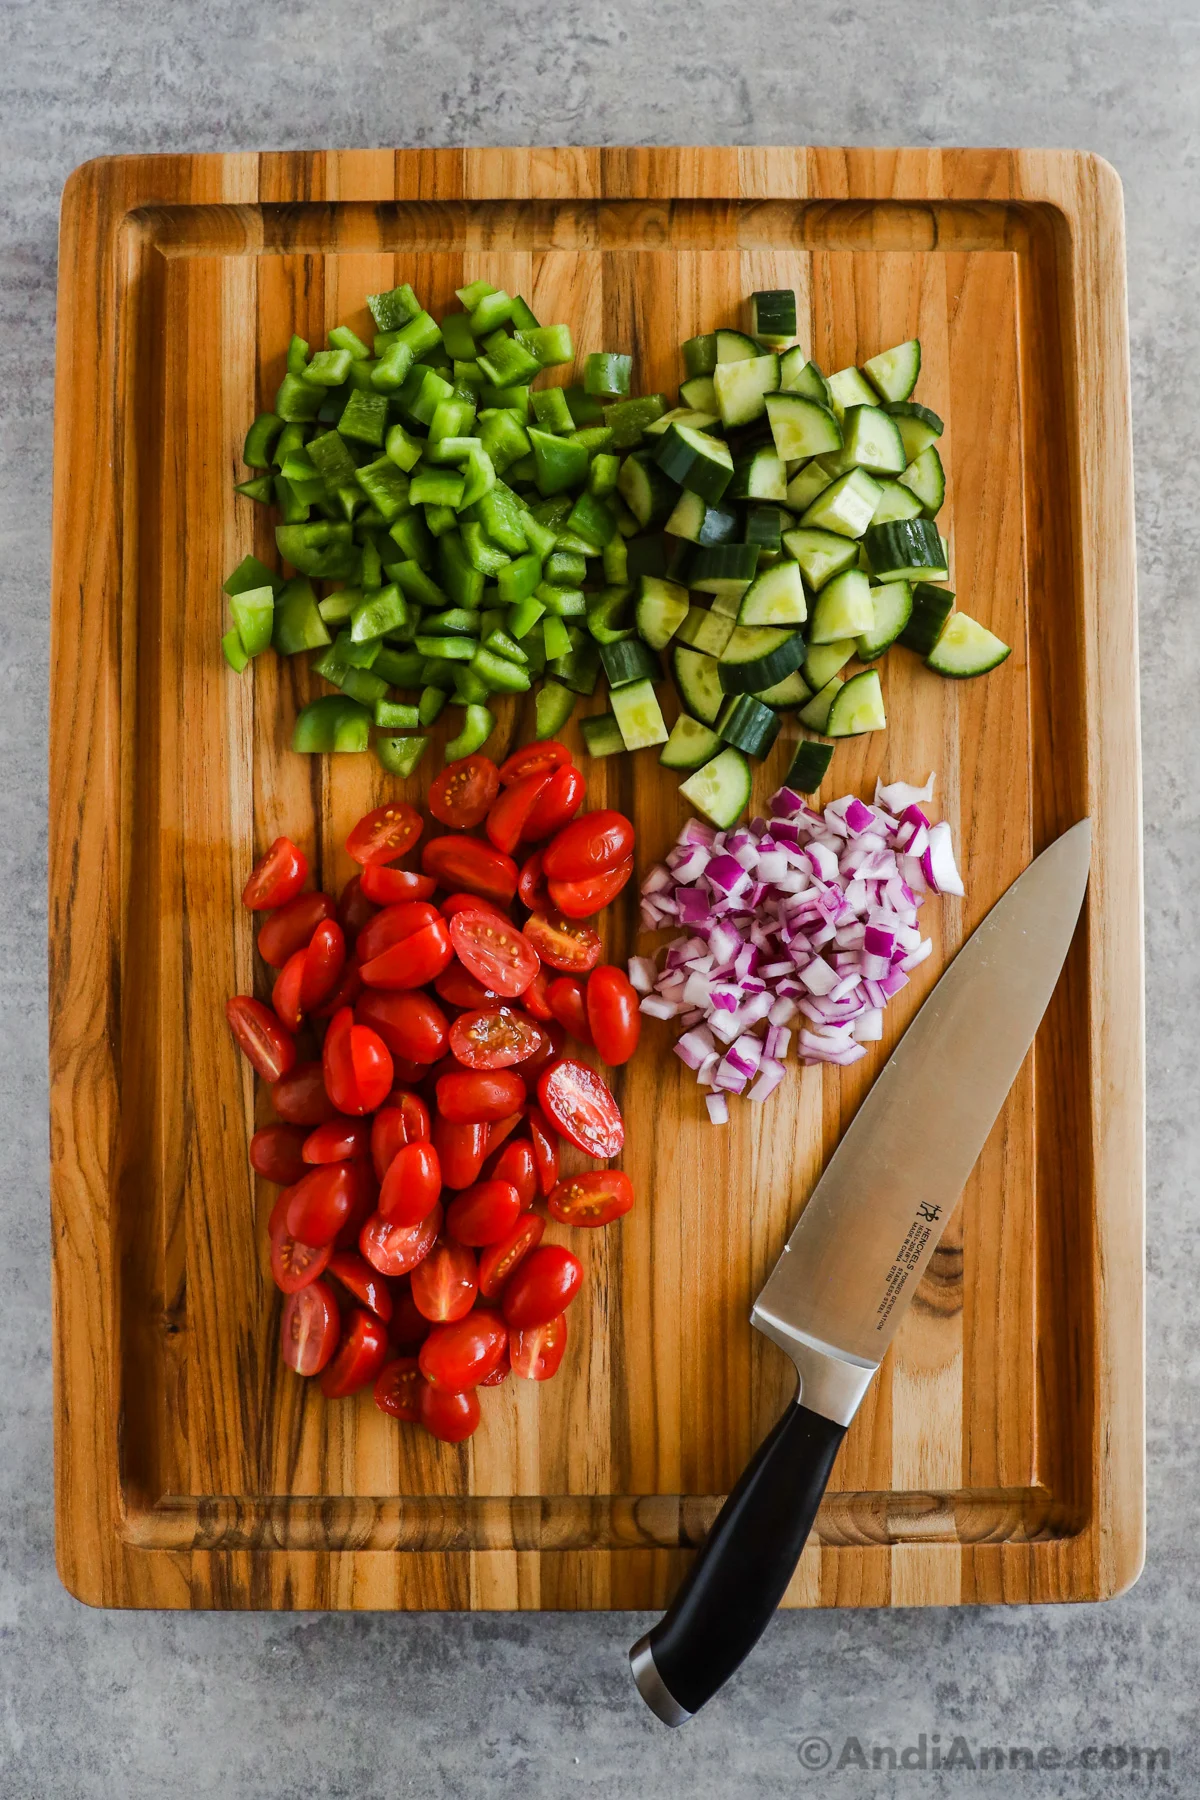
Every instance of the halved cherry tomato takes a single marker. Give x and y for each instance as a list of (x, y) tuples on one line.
[(361, 1355), (268, 1046), (412, 1025), (276, 877), (500, 1373), (323, 1201), (456, 903), (450, 1417), (278, 1218), (580, 1108), (365, 1283), (398, 1389), (310, 1328), (536, 1354), (285, 991), (511, 809), (294, 1265), (463, 862), (500, 1129), (533, 1000), (357, 1065), (612, 1013), (277, 1153), (461, 794), (310, 976), (545, 1150), (500, 1259), (495, 1037), (514, 1163), (483, 1214), (494, 951), (457, 988), (465, 1352), (533, 890), (541, 1287), (386, 886), (338, 1140), (563, 943), (411, 1185), (461, 1150), (580, 899), (354, 908), (404, 1120), (345, 993), (382, 836), (397, 1249), (588, 846), (552, 1047), (595, 1197), (565, 999), (413, 961), (409, 1326), (300, 1097), (558, 802), (534, 759), (478, 1096), (445, 1283), (365, 1196), (392, 926), (289, 929)]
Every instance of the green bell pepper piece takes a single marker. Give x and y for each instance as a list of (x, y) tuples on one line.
[(342, 338), (517, 579), (503, 437), (469, 688), (393, 368), (235, 655), (297, 624), (523, 316), (552, 412), (581, 668), (542, 536), (585, 410), (610, 614), (399, 668), (296, 400), (602, 476), (498, 674), (337, 607), (473, 293), (447, 649), (492, 311), (329, 368), (548, 344), (524, 616), (505, 362), (479, 475), (293, 508), (403, 450), (516, 400), (256, 451), (412, 580), (411, 534), (477, 726), (297, 355), (458, 337), (452, 418), (364, 685), (564, 568), (498, 641), (628, 419), (480, 554), (254, 617), (331, 723), (330, 456), (395, 308), (379, 611), (555, 637), (385, 486), (592, 520), (552, 708), (561, 602), (436, 487), (365, 418), (560, 464), (456, 621), (463, 583), (393, 715), (400, 755), (502, 516), (422, 393), (607, 374), (430, 704), (250, 573), (440, 519)]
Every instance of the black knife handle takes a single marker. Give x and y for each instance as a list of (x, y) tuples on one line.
[(744, 1565)]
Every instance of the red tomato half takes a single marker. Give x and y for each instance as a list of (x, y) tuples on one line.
[(545, 1151), (479, 1096), (461, 795), (413, 961), (565, 999), (412, 1025), (464, 1353), (533, 1000), (588, 846), (357, 1065), (483, 1214), (292, 926), (294, 1265), (365, 1283), (494, 1037), (542, 1286), (563, 943), (448, 1416), (345, 993), (398, 1389), (612, 1014), (354, 908), (550, 1050), (411, 1185), (536, 1354), (285, 991), (514, 1163), (404, 1120), (456, 903), (500, 1373), (276, 878), (338, 1140), (580, 1108), (409, 1326), (323, 1201), (558, 802), (385, 834), (463, 862), (309, 1329), (392, 926), (398, 1249), (494, 952), (300, 1097), (595, 1197), (277, 1153), (534, 759), (445, 1284), (580, 899), (533, 890), (500, 1129), (461, 1150), (457, 988), (268, 1046), (511, 809), (387, 887), (362, 1354), (500, 1259)]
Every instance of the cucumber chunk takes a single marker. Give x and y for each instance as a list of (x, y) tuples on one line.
[(628, 660), (661, 609), (758, 475), (805, 485), (638, 714), (689, 745), (757, 656), (773, 316), (699, 683), (847, 387), (926, 480), (776, 597), (742, 387), (893, 373), (702, 464), (896, 502), (808, 766), (857, 707), (748, 724), (846, 506), (602, 734), (820, 554), (792, 691), (724, 569), (700, 393), (720, 789), (816, 714), (708, 631), (906, 549), (734, 346), (824, 661), (701, 524), (931, 607), (843, 609), (893, 603), (967, 648), (803, 427), (798, 376), (918, 426), (871, 441)]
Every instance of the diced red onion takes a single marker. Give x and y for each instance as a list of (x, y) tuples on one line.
[(901, 794), (718, 1109), (938, 865)]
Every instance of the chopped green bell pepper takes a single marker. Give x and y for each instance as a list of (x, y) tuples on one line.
[(400, 755), (393, 309), (297, 624), (477, 726), (331, 723), (256, 451), (235, 655), (552, 708), (608, 374)]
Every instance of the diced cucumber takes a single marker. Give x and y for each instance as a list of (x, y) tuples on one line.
[(802, 427), (893, 373), (700, 392), (773, 316), (638, 714), (931, 607), (846, 506), (857, 707), (702, 464), (847, 387), (689, 745), (552, 708), (893, 604), (926, 479), (896, 502), (758, 475), (967, 648), (918, 426), (808, 766), (747, 724), (805, 485), (601, 734), (843, 609), (764, 527), (734, 346), (705, 630), (701, 524), (720, 789), (798, 376), (629, 660), (661, 609), (644, 488), (816, 714), (700, 354), (698, 680), (906, 550), (742, 387), (757, 656), (776, 597), (820, 554), (683, 415), (871, 441), (791, 692), (724, 569), (824, 661)]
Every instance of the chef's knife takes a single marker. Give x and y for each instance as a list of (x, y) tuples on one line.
[(837, 1294)]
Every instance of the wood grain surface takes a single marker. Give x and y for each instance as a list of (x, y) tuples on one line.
[(999, 1456)]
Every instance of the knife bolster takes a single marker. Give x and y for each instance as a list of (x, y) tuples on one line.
[(832, 1382)]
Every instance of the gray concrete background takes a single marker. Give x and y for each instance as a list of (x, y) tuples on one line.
[(254, 1708)]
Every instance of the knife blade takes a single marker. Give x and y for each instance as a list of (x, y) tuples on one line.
[(853, 1262)]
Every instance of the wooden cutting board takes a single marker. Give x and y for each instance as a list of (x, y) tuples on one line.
[(999, 1456)]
